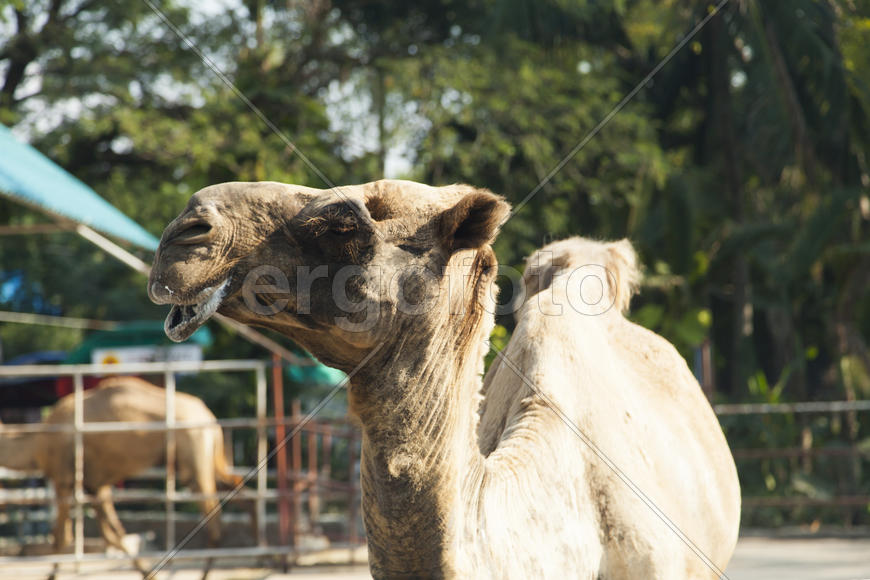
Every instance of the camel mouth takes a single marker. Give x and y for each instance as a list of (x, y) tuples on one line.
[(184, 319)]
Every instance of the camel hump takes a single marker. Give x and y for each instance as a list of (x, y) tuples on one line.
[(126, 381), (615, 261)]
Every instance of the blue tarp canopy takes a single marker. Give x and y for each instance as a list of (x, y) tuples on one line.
[(32, 178)]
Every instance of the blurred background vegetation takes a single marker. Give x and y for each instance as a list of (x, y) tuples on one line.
[(740, 171)]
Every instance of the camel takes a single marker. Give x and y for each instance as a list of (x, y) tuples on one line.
[(391, 282), (113, 457)]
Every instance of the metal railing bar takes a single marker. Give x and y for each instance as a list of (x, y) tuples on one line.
[(9, 497), (842, 501), (805, 407), (790, 452), (143, 367), (194, 554), (342, 430), (158, 474)]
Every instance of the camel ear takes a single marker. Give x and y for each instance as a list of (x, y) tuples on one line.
[(474, 221)]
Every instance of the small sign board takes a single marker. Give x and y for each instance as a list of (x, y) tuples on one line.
[(137, 354)]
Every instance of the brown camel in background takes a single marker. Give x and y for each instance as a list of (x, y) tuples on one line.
[(113, 457)]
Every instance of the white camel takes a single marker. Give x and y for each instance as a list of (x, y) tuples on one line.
[(594, 454)]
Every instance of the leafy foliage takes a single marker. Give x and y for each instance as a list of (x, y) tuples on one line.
[(739, 172)]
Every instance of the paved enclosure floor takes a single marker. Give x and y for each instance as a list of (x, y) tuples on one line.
[(800, 559), (755, 559)]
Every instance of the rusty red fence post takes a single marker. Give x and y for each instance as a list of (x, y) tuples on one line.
[(296, 458), (313, 490), (280, 430)]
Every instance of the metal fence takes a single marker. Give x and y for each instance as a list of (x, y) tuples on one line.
[(809, 456), (314, 445), (293, 485)]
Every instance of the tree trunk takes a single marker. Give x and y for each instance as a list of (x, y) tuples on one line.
[(803, 145), (20, 51), (725, 142)]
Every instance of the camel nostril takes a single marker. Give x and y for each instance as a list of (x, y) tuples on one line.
[(193, 233), (160, 293)]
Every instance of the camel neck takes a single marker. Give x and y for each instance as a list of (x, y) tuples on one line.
[(420, 454)]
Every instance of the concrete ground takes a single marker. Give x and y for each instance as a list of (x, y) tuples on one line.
[(755, 559), (801, 559)]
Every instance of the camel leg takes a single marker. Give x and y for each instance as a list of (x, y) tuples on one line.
[(227, 483), (212, 528), (206, 568), (62, 525), (204, 483), (110, 513), (251, 507), (111, 527)]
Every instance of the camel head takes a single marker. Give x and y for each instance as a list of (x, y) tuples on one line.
[(337, 270)]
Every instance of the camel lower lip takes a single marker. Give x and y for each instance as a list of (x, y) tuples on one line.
[(184, 319)]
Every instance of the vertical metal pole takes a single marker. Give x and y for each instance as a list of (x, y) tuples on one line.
[(280, 432), (296, 469), (708, 378), (326, 466), (79, 489), (170, 459), (262, 445), (313, 491)]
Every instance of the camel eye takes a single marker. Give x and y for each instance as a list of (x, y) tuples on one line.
[(343, 227), (340, 219)]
